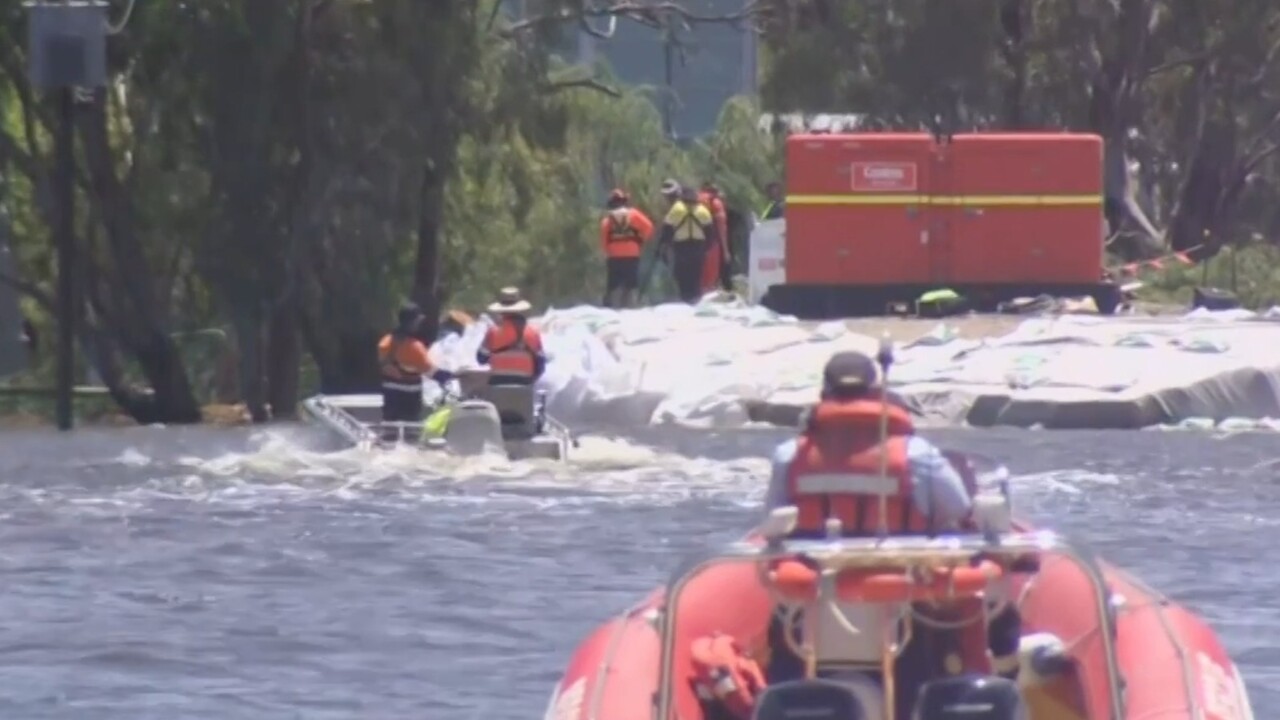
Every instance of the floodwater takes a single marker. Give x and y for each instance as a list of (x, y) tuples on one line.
[(214, 573)]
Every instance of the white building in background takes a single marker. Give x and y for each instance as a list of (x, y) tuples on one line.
[(691, 78)]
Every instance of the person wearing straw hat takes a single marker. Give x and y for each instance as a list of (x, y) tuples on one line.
[(512, 348)]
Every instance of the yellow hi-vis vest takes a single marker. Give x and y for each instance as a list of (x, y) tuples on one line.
[(689, 225)]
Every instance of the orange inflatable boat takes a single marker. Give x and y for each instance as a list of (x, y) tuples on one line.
[(901, 628)]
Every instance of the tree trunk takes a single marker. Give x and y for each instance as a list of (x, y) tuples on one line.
[(349, 364), (1198, 214), (347, 359), (248, 329), (140, 320), (1013, 23), (284, 356), (426, 269)]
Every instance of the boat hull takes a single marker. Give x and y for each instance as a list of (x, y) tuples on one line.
[(1173, 665), (356, 421)]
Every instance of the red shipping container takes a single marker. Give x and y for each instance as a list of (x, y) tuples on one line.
[(857, 209), (1023, 208)]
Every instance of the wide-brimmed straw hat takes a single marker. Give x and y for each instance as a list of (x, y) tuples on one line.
[(509, 301)]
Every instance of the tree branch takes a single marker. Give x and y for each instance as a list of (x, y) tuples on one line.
[(31, 290), (1180, 62), (556, 86), (1271, 126), (652, 14)]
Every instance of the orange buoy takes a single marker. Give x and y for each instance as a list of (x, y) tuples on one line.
[(798, 582)]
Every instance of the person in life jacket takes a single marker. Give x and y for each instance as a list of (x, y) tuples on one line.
[(842, 435), (777, 202), (512, 348), (404, 362), (687, 231), (718, 254), (824, 472), (623, 232)]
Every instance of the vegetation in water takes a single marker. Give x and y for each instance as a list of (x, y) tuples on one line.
[(262, 182)]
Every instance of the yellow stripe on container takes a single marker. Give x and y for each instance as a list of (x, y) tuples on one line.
[(949, 200)]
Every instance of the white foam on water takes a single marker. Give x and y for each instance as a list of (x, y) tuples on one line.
[(280, 470)]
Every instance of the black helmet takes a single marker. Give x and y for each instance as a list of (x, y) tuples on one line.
[(409, 314)]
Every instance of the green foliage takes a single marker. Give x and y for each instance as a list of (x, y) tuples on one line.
[(266, 170), (1185, 92), (523, 212), (1252, 272), (280, 174)]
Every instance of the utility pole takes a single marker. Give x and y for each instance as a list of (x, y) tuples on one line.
[(66, 50), (65, 244), (668, 79)]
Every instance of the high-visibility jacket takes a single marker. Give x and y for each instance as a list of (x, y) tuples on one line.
[(624, 231), (718, 215), (403, 361), (774, 210), (513, 351), (688, 225), (836, 470)]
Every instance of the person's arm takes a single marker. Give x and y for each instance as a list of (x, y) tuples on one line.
[(936, 485), (668, 233), (722, 229), (422, 364), (643, 225), (775, 495), (709, 227), (534, 342), (482, 352), (419, 359), (604, 235)]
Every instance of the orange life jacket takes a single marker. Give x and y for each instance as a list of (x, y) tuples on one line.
[(512, 351), (836, 470), (621, 229), (723, 674), (719, 216), (403, 361)]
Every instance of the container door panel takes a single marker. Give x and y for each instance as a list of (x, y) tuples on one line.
[(855, 214), (939, 241), (1026, 211)]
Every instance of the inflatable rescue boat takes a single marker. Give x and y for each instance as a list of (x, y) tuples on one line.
[(896, 628)]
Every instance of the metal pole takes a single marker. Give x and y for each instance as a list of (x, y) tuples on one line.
[(64, 178), (669, 81)]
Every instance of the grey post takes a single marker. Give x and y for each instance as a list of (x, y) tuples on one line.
[(66, 50)]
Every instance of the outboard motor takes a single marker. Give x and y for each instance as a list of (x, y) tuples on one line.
[(818, 699), (970, 697), (474, 428)]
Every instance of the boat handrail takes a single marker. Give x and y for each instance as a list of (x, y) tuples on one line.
[(341, 420), (878, 552), (389, 432)]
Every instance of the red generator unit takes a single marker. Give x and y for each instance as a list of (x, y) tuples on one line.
[(875, 220)]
